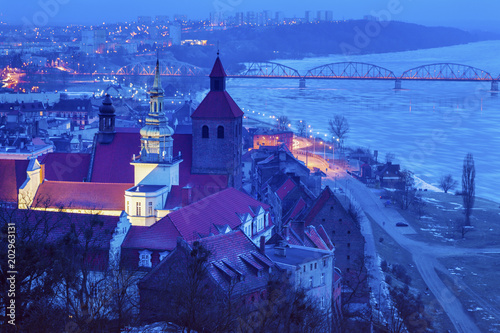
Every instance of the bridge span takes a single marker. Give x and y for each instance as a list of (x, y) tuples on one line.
[(334, 71)]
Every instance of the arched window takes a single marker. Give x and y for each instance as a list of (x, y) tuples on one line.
[(204, 132), (220, 132)]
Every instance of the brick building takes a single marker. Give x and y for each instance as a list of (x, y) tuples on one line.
[(217, 131)]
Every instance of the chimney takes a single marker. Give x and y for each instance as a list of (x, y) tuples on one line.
[(286, 232), (187, 194), (280, 251), (262, 244)]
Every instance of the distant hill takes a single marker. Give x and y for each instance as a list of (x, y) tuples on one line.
[(246, 43)]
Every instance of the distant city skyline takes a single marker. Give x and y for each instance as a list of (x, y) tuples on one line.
[(462, 13)]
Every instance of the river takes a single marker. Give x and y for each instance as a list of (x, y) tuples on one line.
[(428, 126)]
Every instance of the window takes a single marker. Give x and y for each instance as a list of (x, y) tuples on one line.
[(204, 132), (322, 278), (322, 302), (311, 282), (138, 209), (324, 262), (348, 244), (315, 265), (150, 208), (145, 258), (311, 267), (220, 132), (348, 232), (304, 268), (348, 257)]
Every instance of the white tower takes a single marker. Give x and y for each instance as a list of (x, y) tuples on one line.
[(156, 170)]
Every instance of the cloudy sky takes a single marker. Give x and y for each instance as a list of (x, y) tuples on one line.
[(466, 14)]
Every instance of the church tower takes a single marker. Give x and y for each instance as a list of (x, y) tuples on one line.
[(156, 170), (217, 131), (106, 121)]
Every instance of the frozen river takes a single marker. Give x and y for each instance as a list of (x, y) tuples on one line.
[(429, 126)]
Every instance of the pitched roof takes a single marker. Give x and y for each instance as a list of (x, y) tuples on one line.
[(284, 189), (12, 176), (234, 254), (92, 196), (200, 218), (218, 69), (112, 161), (65, 166), (55, 224), (216, 105), (160, 236), (323, 198)]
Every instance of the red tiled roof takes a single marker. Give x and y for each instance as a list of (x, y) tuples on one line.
[(112, 161), (217, 104), (298, 207), (236, 253), (65, 166), (201, 218), (218, 69), (315, 238), (318, 205), (12, 176), (324, 236), (160, 236), (75, 195), (284, 189)]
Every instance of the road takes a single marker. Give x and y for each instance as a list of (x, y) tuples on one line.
[(425, 256)]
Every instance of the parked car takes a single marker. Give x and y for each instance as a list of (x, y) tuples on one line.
[(385, 196), (401, 224)]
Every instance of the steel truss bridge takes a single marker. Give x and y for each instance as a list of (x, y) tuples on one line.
[(333, 71)]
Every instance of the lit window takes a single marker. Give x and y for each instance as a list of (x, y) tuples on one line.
[(322, 278), (138, 209), (311, 282)]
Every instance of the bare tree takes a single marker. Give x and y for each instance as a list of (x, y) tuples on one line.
[(419, 206), (283, 122), (447, 183), (301, 128), (389, 157), (405, 195), (468, 186), (339, 127)]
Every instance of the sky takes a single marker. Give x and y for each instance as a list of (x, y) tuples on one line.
[(466, 14)]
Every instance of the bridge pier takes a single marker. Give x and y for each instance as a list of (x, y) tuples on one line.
[(398, 84), (494, 86), (302, 83)]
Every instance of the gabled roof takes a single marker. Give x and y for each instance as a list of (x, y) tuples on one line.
[(323, 198), (223, 208), (12, 176), (65, 166), (75, 195), (284, 189), (111, 163), (160, 236), (217, 105)]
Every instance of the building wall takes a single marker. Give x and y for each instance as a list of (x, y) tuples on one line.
[(218, 156)]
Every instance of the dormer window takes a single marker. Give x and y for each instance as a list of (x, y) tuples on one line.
[(163, 255), (145, 258)]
